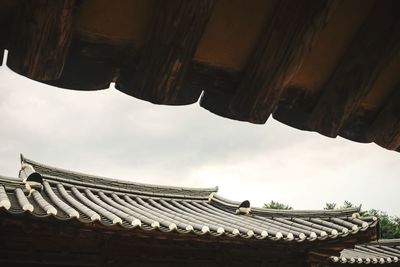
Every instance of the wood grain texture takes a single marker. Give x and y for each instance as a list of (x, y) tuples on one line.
[(41, 38), (219, 87), (289, 35), (87, 67), (92, 63), (385, 130), (176, 31), (295, 107), (375, 43)]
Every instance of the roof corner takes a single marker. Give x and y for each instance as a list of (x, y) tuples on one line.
[(22, 158)]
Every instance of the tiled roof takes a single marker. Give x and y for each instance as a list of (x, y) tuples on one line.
[(47, 191), (384, 251)]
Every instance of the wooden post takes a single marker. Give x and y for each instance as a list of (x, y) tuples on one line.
[(41, 38), (176, 31), (289, 35), (375, 43)]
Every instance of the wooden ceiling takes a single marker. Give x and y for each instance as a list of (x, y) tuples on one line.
[(327, 66)]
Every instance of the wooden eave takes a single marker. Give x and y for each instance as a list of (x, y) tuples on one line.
[(28, 240), (326, 66)]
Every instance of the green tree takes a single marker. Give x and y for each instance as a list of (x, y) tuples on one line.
[(277, 206), (330, 206), (348, 204), (390, 225)]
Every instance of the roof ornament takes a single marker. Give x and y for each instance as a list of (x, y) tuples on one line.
[(244, 208), (211, 195), (32, 179)]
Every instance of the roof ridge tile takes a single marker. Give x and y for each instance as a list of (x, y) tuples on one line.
[(94, 181)]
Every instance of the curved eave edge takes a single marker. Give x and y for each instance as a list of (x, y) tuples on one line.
[(149, 229), (115, 184), (366, 258)]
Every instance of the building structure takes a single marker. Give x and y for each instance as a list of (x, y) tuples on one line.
[(325, 66), (383, 252), (58, 217)]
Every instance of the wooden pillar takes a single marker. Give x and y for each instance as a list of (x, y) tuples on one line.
[(41, 38)]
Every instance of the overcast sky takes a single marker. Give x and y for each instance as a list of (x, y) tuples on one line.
[(110, 134)]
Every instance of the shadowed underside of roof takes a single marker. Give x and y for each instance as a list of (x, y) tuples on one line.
[(325, 66), (384, 251), (66, 195)]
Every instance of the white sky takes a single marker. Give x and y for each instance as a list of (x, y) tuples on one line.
[(111, 134)]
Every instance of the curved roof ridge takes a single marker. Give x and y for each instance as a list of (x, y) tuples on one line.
[(63, 175), (276, 212)]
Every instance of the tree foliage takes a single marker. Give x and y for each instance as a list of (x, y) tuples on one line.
[(277, 206), (390, 225), (332, 206)]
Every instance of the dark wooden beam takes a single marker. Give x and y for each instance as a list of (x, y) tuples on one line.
[(385, 130), (375, 43), (219, 88), (289, 35), (295, 107), (92, 62), (355, 128), (41, 38), (8, 11), (73, 243), (58, 259), (167, 55)]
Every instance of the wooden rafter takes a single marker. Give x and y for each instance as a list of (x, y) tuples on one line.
[(385, 130), (177, 28), (375, 43), (280, 52), (42, 38), (324, 66)]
